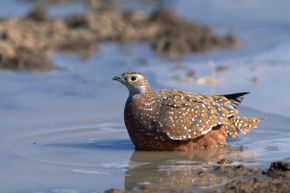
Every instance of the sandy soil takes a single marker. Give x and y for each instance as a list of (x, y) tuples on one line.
[(26, 43)]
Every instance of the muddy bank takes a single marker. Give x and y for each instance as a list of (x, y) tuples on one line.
[(22, 58), (168, 33), (222, 178)]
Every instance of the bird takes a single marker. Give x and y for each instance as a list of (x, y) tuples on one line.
[(176, 120)]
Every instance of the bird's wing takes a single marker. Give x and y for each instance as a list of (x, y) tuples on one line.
[(184, 115)]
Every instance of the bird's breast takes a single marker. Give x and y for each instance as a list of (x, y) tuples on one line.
[(140, 120), (139, 114)]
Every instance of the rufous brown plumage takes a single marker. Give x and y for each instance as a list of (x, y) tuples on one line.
[(177, 120)]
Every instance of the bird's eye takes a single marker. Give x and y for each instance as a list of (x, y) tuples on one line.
[(133, 78)]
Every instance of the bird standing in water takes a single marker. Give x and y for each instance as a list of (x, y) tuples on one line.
[(168, 120)]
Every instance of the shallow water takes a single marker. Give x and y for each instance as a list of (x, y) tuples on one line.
[(63, 131)]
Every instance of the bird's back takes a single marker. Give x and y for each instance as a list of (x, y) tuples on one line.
[(188, 115)]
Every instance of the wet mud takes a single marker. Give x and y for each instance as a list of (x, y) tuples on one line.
[(218, 178), (23, 59), (40, 36)]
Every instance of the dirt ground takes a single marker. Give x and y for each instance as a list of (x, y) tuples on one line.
[(225, 178), (26, 43)]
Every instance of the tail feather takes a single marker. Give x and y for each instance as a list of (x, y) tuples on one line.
[(236, 98), (246, 124), (241, 125)]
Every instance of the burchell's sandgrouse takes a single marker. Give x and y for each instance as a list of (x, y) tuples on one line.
[(179, 120)]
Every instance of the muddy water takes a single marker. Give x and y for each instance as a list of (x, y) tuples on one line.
[(63, 131)]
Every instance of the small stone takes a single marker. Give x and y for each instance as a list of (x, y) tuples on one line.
[(114, 190), (224, 161)]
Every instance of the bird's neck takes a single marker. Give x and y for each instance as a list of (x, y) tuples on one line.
[(141, 93), (140, 98)]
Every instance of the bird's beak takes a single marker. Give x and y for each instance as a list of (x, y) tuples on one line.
[(118, 78)]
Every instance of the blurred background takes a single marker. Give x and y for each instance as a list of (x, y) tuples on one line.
[(61, 115)]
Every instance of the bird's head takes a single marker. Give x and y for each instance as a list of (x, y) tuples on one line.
[(136, 83)]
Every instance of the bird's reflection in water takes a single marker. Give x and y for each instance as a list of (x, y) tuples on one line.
[(181, 170)]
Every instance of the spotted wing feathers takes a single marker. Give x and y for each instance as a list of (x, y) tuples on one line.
[(184, 115)]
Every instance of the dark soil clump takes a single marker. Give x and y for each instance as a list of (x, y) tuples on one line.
[(275, 179), (178, 36), (23, 59), (278, 169), (37, 15)]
